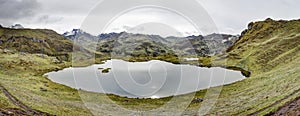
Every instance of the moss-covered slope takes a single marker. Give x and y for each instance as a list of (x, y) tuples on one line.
[(267, 44), (40, 41)]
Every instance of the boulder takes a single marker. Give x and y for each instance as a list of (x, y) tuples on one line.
[(197, 100)]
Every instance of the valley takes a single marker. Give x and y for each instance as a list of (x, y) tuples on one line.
[(268, 53)]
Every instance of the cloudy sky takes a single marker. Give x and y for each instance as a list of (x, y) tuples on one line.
[(230, 16)]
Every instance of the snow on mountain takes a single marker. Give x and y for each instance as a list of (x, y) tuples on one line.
[(74, 32)]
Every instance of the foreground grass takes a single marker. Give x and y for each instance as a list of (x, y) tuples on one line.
[(22, 76), (259, 91)]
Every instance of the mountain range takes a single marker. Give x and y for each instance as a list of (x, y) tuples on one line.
[(125, 44)]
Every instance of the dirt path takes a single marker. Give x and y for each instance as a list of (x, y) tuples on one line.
[(284, 109), (289, 108), (15, 101)]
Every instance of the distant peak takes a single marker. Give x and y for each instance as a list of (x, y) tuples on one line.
[(17, 26), (74, 32), (77, 30)]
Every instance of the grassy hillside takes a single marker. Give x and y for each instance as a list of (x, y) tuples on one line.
[(34, 41), (267, 44), (270, 50), (22, 76), (39, 41)]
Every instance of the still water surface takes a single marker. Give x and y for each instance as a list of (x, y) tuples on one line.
[(152, 79)]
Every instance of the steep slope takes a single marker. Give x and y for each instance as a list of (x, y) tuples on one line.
[(271, 51), (38, 41), (267, 44), (34, 41)]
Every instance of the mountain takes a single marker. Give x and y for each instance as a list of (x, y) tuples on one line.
[(203, 45), (76, 33), (152, 45), (127, 44), (41, 41), (17, 26), (267, 44), (270, 50)]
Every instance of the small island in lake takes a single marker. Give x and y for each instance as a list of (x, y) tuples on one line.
[(106, 70)]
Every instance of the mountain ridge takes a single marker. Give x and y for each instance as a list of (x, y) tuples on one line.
[(216, 43), (267, 43)]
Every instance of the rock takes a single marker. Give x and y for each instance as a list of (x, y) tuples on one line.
[(250, 25), (43, 89), (9, 112), (197, 100), (106, 70)]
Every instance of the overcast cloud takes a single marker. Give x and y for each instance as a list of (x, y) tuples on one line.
[(230, 16), (13, 10)]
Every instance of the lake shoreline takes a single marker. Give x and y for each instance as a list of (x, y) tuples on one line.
[(98, 67)]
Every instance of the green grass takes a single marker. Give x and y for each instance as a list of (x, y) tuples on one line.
[(35, 41), (258, 91), (27, 84)]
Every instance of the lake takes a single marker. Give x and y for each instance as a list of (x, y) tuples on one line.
[(152, 79)]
